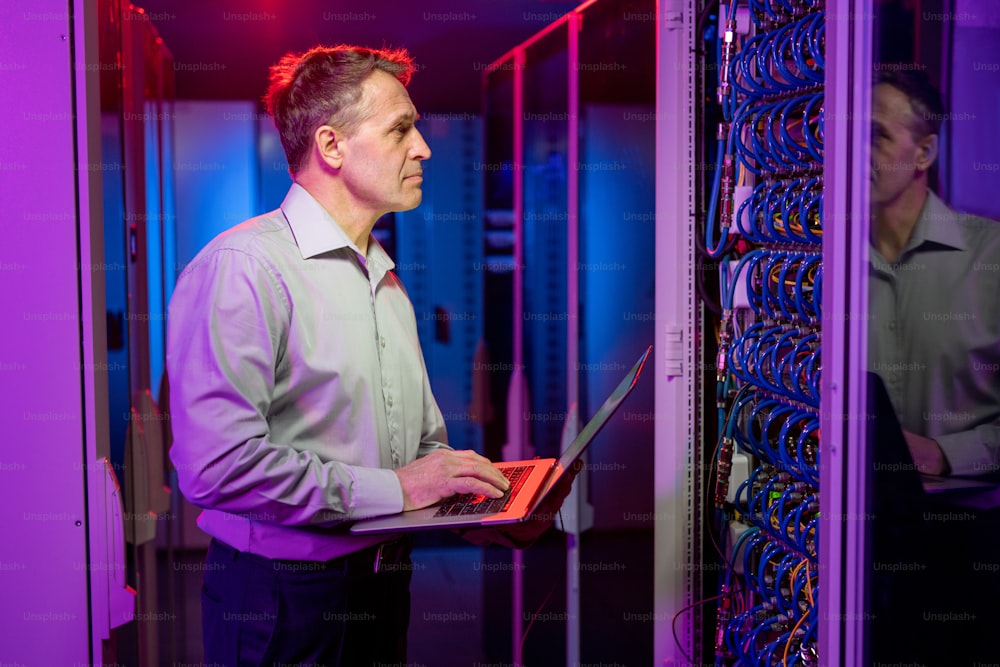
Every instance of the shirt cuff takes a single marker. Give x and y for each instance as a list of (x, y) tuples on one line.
[(377, 492), (966, 452)]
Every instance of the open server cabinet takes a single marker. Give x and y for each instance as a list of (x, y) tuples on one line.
[(783, 580)]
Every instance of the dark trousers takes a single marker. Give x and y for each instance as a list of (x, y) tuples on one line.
[(257, 611)]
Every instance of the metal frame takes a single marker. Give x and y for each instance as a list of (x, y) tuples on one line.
[(574, 526)]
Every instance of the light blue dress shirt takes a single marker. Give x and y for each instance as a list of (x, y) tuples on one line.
[(297, 384), (934, 334)]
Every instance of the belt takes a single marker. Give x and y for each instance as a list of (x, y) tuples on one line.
[(392, 556)]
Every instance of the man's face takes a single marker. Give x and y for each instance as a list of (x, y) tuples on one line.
[(381, 166), (898, 159)]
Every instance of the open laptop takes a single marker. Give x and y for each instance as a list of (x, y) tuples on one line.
[(530, 482)]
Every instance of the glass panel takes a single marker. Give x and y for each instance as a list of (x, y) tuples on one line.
[(154, 243), (617, 204), (498, 248), (545, 135), (616, 269), (112, 168), (933, 333), (125, 638)]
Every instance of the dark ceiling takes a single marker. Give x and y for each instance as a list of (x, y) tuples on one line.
[(222, 48)]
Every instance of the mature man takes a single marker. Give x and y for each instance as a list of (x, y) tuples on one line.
[(934, 336), (300, 397)]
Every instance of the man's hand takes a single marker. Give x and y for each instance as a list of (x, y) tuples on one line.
[(524, 534), (927, 454), (445, 472)]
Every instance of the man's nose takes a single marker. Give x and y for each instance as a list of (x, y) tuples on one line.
[(420, 150)]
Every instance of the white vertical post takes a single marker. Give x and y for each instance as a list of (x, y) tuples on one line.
[(843, 447), (577, 498), (675, 315), (517, 397)]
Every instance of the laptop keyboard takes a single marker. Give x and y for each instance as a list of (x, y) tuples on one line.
[(471, 503)]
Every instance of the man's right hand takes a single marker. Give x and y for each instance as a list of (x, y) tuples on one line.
[(927, 454), (444, 473)]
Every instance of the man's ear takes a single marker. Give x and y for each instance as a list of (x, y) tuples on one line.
[(927, 151), (329, 146)]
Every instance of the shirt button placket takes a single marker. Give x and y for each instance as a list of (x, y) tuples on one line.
[(386, 394), (389, 403), (893, 379)]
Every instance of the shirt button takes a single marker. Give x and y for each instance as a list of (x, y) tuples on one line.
[(892, 326), (389, 401), (893, 377), (381, 341)]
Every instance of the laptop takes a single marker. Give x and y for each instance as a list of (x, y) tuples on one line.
[(530, 482)]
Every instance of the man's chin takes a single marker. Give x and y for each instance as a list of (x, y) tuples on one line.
[(409, 205)]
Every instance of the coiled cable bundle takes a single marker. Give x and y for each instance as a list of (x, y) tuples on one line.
[(765, 226)]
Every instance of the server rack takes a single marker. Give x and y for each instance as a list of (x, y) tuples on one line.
[(775, 209)]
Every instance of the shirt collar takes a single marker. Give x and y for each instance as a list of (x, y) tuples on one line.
[(938, 225), (316, 232)]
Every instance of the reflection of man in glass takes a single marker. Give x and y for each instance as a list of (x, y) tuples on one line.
[(934, 333), (934, 338)]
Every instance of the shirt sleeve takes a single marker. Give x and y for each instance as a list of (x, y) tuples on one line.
[(227, 324), (972, 452)]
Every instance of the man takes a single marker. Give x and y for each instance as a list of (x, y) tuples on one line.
[(934, 336), (300, 398)]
